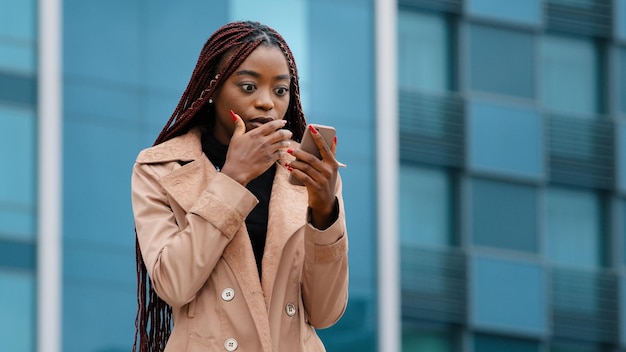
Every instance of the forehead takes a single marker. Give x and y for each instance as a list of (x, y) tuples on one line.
[(266, 59)]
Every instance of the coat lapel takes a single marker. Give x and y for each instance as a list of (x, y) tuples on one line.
[(287, 213)]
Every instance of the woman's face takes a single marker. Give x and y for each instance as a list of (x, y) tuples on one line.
[(258, 91)]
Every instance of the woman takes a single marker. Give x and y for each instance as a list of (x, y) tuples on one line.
[(239, 258)]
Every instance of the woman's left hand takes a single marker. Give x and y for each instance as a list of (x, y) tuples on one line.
[(320, 179)]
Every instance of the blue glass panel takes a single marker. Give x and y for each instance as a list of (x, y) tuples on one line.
[(18, 20), (18, 255), (574, 227), (521, 11), (95, 100), (111, 264), (622, 310), (109, 32), (508, 296), (341, 47), (17, 149), (570, 75), (620, 162), (502, 61), (620, 18), (18, 89), (490, 343), (423, 52), (427, 341), (505, 139), (17, 304), (97, 164), (622, 78), (171, 50), (18, 58), (425, 207), (98, 316), (17, 221), (504, 215)]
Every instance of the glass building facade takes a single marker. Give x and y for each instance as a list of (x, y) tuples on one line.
[(511, 164), (512, 175)]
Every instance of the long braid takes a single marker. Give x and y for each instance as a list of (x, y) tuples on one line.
[(234, 41)]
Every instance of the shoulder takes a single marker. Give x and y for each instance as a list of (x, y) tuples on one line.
[(186, 147)]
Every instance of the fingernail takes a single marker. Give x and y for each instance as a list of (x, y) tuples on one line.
[(287, 164), (313, 130), (284, 122), (289, 168), (290, 151), (335, 139), (232, 115)]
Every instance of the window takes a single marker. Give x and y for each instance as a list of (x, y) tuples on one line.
[(504, 215), (574, 227), (505, 139), (426, 209), (423, 52), (502, 61), (17, 304), (520, 11), (571, 78)]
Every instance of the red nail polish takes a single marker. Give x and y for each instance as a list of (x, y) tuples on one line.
[(313, 129), (232, 115), (290, 151), (335, 139), (287, 164), (289, 168)]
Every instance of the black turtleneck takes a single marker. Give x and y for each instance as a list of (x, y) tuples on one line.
[(261, 187)]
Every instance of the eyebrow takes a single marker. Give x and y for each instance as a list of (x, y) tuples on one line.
[(257, 75)]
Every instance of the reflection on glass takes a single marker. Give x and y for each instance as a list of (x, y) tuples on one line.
[(502, 61), (504, 215), (423, 52), (570, 76), (425, 206), (574, 228)]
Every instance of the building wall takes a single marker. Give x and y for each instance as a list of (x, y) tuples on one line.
[(512, 198), (18, 179)]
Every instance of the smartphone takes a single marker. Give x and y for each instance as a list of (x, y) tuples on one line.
[(308, 144)]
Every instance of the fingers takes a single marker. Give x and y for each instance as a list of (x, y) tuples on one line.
[(240, 126)]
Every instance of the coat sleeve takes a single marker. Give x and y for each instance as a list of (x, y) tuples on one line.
[(180, 260), (325, 271)]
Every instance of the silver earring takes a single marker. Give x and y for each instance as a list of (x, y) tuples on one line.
[(210, 100)]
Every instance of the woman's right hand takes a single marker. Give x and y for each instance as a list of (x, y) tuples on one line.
[(251, 153)]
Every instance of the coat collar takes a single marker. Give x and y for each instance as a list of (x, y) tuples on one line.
[(186, 147)]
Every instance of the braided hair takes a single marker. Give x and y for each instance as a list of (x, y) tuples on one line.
[(221, 55)]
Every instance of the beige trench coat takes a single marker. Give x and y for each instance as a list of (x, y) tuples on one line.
[(191, 230)]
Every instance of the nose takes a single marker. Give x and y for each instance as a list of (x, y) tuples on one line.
[(264, 100)]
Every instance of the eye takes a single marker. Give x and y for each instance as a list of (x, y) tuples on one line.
[(281, 91), (248, 87)]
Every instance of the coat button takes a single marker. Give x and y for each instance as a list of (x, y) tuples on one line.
[(231, 344), (228, 294), (290, 308)]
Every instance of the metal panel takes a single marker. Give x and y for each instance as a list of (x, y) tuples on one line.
[(586, 17), (581, 151), (584, 305), (431, 129), (433, 285)]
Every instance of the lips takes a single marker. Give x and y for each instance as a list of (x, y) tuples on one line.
[(261, 120)]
